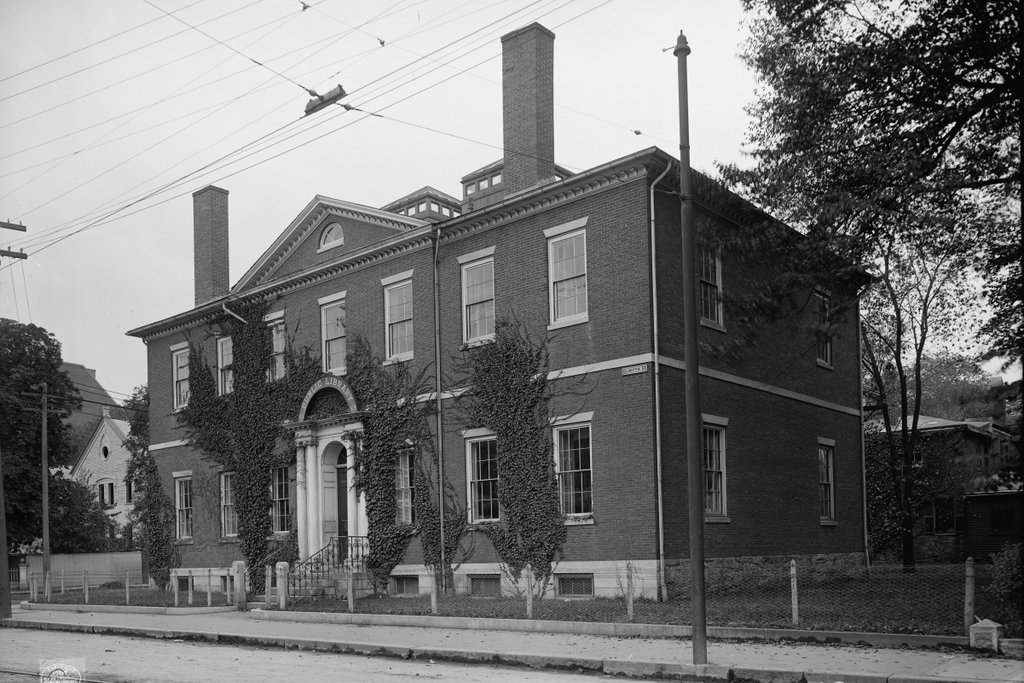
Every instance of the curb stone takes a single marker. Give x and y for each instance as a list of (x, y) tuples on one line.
[(122, 609), (818, 676)]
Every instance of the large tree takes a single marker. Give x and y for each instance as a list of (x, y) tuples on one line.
[(29, 356), (870, 111)]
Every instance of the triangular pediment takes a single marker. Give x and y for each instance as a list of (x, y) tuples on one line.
[(298, 246)]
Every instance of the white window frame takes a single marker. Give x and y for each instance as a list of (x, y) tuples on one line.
[(827, 513), (179, 351), (280, 506), (468, 262), (326, 303), (563, 425), (337, 242), (822, 319), (278, 368), (184, 517), (405, 488), (105, 492), (720, 425), (556, 235), (393, 284), (717, 319), (472, 437), (228, 511), (225, 372)]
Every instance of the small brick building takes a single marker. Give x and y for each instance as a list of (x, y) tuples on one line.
[(592, 261)]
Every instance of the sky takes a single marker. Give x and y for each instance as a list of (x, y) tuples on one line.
[(113, 113)]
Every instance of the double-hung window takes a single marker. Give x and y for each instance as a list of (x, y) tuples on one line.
[(573, 466), (826, 480), (225, 375), (567, 273), (278, 344), (179, 374), (332, 329), (228, 514), (405, 493), (398, 316), (823, 320), (477, 296), (105, 491), (710, 286), (280, 508), (183, 504), (482, 466), (713, 447)]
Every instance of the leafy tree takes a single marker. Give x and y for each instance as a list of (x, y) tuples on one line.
[(954, 387), (78, 522), (876, 112), (152, 515), (29, 356)]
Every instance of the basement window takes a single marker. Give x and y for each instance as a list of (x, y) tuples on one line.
[(575, 585), (407, 585), (485, 585)]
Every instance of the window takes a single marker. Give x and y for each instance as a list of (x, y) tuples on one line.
[(1004, 519), (710, 286), (434, 207), (446, 210), (713, 442), (575, 585), (486, 585), (407, 585), (183, 505), (826, 480), (332, 318), (567, 273), (495, 179), (278, 343), (225, 375), (332, 236), (398, 320), (484, 183), (405, 494), (822, 318), (180, 374), (105, 492), (573, 466), (478, 300), (280, 507), (421, 207), (483, 479), (470, 188), (105, 452), (128, 491), (228, 514)]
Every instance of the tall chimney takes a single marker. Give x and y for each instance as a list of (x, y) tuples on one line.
[(528, 104), (210, 242)]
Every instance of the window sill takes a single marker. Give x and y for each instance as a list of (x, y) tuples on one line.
[(480, 526), (569, 322), (183, 541), (712, 325), (579, 520), (397, 359), (337, 372), (473, 343), (716, 519), (828, 522), (230, 539), (329, 246), (822, 364)]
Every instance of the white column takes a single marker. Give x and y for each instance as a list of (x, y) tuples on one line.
[(350, 487), (301, 520), (313, 497)]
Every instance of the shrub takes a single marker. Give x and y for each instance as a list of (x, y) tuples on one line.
[(1007, 587)]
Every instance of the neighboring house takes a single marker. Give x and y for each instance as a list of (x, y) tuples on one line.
[(102, 464), (592, 261), (96, 403), (992, 519)]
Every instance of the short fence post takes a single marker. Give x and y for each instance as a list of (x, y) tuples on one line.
[(191, 586), (629, 592), (46, 584), (529, 591), (227, 588), (62, 582), (175, 586), (282, 585), (969, 596), (238, 571), (351, 591), (85, 585), (792, 590), (209, 587), (433, 597), (266, 585), (32, 586), (127, 592)]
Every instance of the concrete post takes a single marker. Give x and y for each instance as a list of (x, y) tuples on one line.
[(62, 582), (282, 584), (433, 597), (174, 585), (968, 596), (209, 587), (32, 587), (85, 585), (191, 586), (227, 588), (793, 595), (238, 571), (46, 583), (351, 591), (127, 589), (266, 585), (528, 575), (629, 592)]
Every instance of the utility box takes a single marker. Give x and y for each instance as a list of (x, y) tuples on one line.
[(985, 635)]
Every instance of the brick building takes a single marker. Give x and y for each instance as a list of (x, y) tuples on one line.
[(591, 260)]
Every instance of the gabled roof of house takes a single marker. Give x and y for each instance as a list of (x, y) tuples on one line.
[(118, 428)]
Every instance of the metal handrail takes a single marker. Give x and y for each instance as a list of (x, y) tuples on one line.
[(311, 577)]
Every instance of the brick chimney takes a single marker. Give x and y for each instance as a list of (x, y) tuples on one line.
[(210, 242), (528, 104)]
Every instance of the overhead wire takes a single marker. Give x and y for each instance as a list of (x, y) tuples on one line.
[(211, 166)]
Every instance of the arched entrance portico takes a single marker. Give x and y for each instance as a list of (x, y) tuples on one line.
[(327, 435)]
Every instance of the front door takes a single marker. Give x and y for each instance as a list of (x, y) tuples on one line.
[(342, 489)]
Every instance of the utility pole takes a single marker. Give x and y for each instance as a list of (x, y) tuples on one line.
[(694, 423), (5, 584), (8, 252), (46, 505)]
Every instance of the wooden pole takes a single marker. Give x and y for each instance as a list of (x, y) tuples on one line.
[(5, 583)]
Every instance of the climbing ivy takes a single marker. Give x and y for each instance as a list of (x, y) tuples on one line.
[(243, 431), (507, 391)]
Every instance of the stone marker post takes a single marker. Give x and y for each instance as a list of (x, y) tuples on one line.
[(238, 571), (282, 584)]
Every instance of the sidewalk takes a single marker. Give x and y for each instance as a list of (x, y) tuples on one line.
[(654, 657)]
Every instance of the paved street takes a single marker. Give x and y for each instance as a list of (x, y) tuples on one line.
[(121, 658)]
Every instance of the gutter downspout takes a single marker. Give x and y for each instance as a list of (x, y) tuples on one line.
[(662, 584), (230, 312), (438, 405)]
